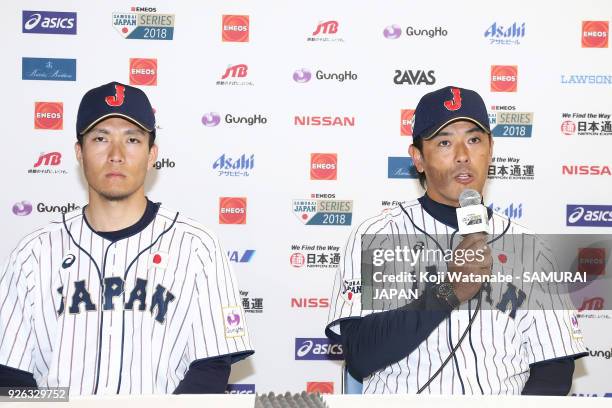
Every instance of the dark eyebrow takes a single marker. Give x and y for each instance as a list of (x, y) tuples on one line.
[(475, 129), (135, 131)]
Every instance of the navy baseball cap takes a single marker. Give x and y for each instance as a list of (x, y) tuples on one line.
[(444, 106), (115, 100)]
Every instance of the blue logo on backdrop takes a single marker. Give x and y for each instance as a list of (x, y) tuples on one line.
[(402, 167), (317, 349), (49, 22), (48, 69), (512, 211), (589, 215), (236, 256), (240, 389)]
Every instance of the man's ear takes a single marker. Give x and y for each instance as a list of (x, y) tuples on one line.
[(78, 152), (153, 155), (417, 157)]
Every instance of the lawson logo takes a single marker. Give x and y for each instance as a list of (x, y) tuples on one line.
[(49, 22), (589, 215), (317, 349)]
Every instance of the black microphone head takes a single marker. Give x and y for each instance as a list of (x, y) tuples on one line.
[(469, 197)]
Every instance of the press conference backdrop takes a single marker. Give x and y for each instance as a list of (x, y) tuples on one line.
[(281, 125)]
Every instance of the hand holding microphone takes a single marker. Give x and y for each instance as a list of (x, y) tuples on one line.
[(472, 220)]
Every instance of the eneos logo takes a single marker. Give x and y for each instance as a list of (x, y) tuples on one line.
[(323, 166), (49, 115), (406, 117), (504, 78), (232, 210), (320, 387), (595, 34), (235, 28), (592, 261), (143, 71)]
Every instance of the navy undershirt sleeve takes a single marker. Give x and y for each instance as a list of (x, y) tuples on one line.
[(553, 377), (12, 377), (377, 340), (208, 376)]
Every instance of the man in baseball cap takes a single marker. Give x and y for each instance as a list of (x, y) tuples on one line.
[(117, 268), (395, 346)]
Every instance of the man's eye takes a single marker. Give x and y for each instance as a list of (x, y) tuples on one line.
[(475, 139), (133, 140), (444, 143), (99, 139)]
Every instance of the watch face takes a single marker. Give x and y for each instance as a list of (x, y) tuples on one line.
[(445, 289)]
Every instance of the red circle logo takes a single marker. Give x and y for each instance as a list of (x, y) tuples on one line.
[(595, 34), (504, 78), (235, 28), (297, 260), (568, 127), (232, 210)]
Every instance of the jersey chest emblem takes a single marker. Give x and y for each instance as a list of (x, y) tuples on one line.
[(158, 260)]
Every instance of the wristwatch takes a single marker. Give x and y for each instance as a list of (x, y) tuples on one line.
[(445, 293)]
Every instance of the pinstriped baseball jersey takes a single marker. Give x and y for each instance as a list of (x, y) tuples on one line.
[(503, 341), (127, 317)]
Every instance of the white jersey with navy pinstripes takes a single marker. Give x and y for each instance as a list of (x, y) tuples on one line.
[(495, 357), (127, 317)]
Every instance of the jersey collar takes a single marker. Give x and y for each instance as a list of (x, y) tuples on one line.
[(113, 236), (446, 214)]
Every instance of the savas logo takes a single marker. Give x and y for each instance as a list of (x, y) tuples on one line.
[(235, 28), (232, 210), (406, 118), (595, 34), (49, 22), (49, 159), (49, 115), (317, 349), (143, 71), (589, 215), (414, 77), (504, 78), (323, 166)]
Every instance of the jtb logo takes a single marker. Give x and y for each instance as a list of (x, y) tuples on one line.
[(49, 159), (49, 22), (327, 27), (236, 71)]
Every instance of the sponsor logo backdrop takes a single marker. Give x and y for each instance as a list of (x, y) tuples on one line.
[(278, 128)]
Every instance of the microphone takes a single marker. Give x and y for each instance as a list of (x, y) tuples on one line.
[(472, 216)]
